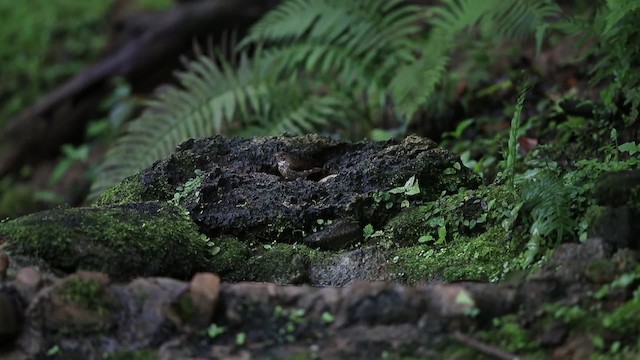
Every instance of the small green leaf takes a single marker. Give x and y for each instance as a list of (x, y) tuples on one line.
[(215, 330), (327, 317), (54, 350), (598, 342), (624, 280), (457, 134), (368, 230), (615, 347), (413, 189), (425, 239), (629, 147), (241, 337), (464, 299), (410, 182), (442, 235)]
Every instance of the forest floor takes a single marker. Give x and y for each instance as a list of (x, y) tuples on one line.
[(400, 249)]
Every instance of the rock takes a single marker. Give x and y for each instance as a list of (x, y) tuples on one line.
[(196, 305), (81, 301), (618, 227), (618, 189), (342, 269), (10, 318), (4, 265), (124, 241), (239, 191), (28, 282), (452, 301), (564, 273), (336, 236), (145, 303)]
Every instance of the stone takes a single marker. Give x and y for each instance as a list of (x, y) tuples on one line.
[(203, 296), (10, 318), (28, 282), (81, 301)]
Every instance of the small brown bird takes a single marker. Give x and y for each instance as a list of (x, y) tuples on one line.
[(292, 167)]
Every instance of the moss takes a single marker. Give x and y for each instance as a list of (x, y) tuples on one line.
[(405, 228), (466, 213), (144, 354), (85, 292), (507, 334), (465, 258), (229, 254), (127, 191), (601, 271), (185, 309), (625, 320), (279, 263), (125, 241)]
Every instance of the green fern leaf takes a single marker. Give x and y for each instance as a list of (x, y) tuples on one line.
[(209, 97)]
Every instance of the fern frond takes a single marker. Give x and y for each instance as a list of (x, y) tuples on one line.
[(516, 19), (288, 22), (549, 201), (210, 95), (618, 9), (296, 107), (615, 31), (454, 16), (341, 36), (358, 45), (414, 83), (323, 19), (551, 204)]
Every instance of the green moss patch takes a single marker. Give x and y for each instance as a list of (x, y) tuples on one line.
[(128, 190), (279, 263), (125, 241), (465, 258), (85, 292)]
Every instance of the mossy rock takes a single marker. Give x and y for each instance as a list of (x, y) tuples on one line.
[(125, 241), (233, 186)]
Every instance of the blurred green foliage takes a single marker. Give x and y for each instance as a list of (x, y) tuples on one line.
[(45, 42)]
